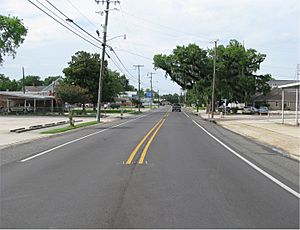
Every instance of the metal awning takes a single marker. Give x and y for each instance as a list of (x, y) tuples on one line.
[(17, 95), (26, 95)]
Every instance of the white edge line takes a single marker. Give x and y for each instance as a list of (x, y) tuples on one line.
[(186, 114), (78, 139), (282, 185)]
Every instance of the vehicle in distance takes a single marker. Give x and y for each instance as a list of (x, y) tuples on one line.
[(250, 110), (223, 108), (114, 106), (21, 108), (263, 110), (176, 108)]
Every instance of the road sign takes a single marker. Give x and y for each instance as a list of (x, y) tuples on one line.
[(149, 94)]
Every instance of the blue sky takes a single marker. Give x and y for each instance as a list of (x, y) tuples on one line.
[(155, 26)]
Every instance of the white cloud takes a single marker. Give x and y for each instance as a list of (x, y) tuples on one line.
[(156, 26)]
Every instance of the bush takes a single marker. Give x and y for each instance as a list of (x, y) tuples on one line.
[(234, 110)]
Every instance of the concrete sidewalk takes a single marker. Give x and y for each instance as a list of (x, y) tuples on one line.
[(285, 138), (7, 123)]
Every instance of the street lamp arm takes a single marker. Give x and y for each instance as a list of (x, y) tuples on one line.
[(123, 35)]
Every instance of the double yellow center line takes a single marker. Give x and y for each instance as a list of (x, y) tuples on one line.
[(156, 127)]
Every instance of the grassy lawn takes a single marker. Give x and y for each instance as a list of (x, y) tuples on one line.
[(63, 129), (91, 112), (135, 112)]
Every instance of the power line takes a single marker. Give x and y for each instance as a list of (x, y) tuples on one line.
[(82, 36), (120, 69), (70, 20), (91, 23), (122, 63), (63, 20), (131, 77), (64, 25), (164, 26), (56, 8), (130, 52), (143, 83)]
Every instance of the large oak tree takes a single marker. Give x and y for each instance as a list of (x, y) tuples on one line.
[(191, 67)]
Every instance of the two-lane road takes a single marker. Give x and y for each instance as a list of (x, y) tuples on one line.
[(159, 171)]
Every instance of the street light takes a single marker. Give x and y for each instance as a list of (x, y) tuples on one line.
[(123, 35), (103, 11)]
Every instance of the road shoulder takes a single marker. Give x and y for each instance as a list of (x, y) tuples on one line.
[(278, 165), (25, 148)]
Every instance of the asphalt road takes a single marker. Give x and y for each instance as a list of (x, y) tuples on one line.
[(185, 179)]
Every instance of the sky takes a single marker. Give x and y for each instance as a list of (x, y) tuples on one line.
[(152, 27)]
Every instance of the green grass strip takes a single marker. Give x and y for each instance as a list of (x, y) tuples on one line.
[(64, 129), (135, 112)]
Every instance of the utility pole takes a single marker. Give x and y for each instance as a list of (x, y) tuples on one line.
[(23, 81), (213, 83), (185, 92), (151, 89), (298, 71), (103, 55), (139, 85), (158, 97)]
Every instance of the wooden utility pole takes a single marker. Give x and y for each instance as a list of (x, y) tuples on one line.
[(139, 85), (103, 55), (151, 88), (213, 83)]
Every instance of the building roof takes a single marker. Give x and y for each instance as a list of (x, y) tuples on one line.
[(291, 85), (34, 88), (44, 89), (53, 84), (22, 95), (277, 83)]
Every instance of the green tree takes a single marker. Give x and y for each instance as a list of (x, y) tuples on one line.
[(83, 70), (125, 84), (31, 80), (112, 86), (71, 94), (191, 67), (7, 84), (186, 65), (172, 98), (12, 34), (236, 68)]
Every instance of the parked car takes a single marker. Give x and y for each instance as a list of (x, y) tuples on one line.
[(141, 106), (222, 109), (263, 110), (21, 108), (114, 106), (249, 110)]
